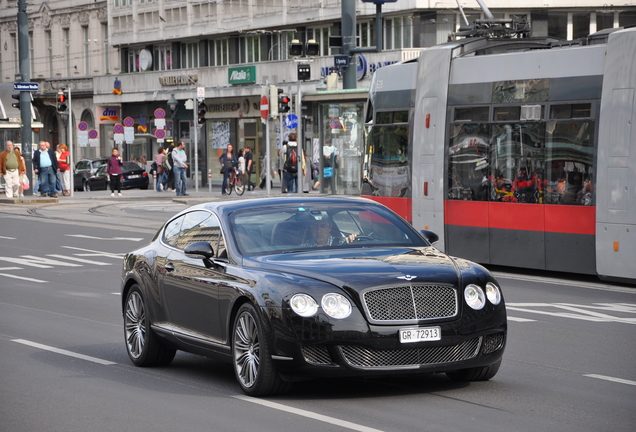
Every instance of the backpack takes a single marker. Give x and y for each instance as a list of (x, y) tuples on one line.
[(166, 164), (291, 163)]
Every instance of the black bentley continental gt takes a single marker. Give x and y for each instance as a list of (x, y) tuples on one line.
[(301, 287)]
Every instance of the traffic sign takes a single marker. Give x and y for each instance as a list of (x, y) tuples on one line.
[(200, 92), (334, 123), (160, 113), (341, 61), (129, 122), (92, 134), (118, 129), (291, 121), (160, 133), (22, 86), (82, 126), (264, 107)]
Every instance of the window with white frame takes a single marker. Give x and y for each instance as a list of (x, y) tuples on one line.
[(132, 64), (321, 35), (87, 50), (14, 43), (122, 3), (31, 53), (398, 32), (105, 48), (162, 57), (252, 49), (189, 55), (49, 51), (67, 51), (218, 52)]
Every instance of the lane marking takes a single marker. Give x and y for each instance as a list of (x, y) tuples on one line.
[(85, 261), (8, 238), (135, 239), (38, 261), (95, 253), (517, 319), (580, 312), (580, 284), (22, 277), (64, 352), (609, 378), (10, 268), (308, 414)]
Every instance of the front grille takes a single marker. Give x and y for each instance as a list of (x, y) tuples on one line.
[(366, 358), (316, 354), (492, 343), (408, 303)]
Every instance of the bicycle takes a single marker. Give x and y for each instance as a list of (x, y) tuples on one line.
[(234, 181)]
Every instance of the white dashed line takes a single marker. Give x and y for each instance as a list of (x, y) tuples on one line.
[(609, 378), (64, 352)]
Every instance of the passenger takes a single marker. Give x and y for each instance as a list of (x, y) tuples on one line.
[(503, 188), (523, 187)]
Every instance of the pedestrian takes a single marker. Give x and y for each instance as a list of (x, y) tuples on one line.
[(24, 180), (241, 163), (179, 159), (64, 162), (12, 168), (228, 161), (161, 154), (114, 172), (45, 166), (330, 165), (167, 170), (249, 166), (291, 154), (58, 183)]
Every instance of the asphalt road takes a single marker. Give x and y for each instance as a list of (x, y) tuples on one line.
[(568, 366)]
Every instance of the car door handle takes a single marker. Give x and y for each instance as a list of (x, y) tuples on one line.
[(169, 267)]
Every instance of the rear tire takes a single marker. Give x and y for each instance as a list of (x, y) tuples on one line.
[(251, 356), (239, 186), (142, 345), (229, 184), (475, 374)]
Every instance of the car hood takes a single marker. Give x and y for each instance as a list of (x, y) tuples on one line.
[(366, 267)]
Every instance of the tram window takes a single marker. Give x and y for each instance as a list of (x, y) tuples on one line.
[(389, 172), (390, 117), (534, 90), (568, 111), (509, 113), (468, 161), (472, 114)]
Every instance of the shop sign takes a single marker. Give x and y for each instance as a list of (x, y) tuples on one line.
[(362, 67), (242, 75), (174, 80), (108, 114)]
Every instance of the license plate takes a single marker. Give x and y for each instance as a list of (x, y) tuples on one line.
[(134, 176), (422, 334)]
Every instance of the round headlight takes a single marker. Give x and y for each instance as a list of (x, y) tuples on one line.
[(336, 306), (304, 305), (474, 296), (493, 293)]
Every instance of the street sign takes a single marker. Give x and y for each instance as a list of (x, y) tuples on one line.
[(264, 107), (92, 134), (291, 121), (200, 92), (160, 134), (160, 113), (22, 86), (83, 126), (341, 61), (118, 129), (129, 122)]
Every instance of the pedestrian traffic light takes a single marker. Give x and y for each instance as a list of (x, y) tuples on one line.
[(201, 110), (283, 104), (62, 108), (273, 100), (295, 48), (16, 97), (312, 48)]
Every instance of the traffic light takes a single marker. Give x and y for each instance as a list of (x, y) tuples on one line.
[(201, 109), (273, 100), (16, 97), (304, 72), (62, 108), (283, 103), (295, 48), (312, 48)]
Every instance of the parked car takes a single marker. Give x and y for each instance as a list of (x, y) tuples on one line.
[(133, 177), (292, 288), (84, 170)]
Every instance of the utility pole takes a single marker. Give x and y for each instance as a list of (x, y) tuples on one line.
[(25, 97)]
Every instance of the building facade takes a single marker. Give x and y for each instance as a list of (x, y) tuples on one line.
[(127, 58)]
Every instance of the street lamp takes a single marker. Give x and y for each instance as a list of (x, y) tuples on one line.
[(173, 104)]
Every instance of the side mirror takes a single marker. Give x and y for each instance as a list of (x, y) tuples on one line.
[(430, 236), (202, 250)]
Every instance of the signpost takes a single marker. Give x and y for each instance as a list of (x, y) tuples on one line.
[(23, 86)]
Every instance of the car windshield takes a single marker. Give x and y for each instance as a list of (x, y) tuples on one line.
[(285, 229)]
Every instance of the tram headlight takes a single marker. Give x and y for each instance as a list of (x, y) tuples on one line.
[(493, 293), (474, 296)]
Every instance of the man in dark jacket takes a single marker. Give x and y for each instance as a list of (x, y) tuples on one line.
[(45, 166)]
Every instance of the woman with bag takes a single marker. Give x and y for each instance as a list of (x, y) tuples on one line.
[(64, 162)]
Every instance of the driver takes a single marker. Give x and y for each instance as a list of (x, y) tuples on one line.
[(320, 233)]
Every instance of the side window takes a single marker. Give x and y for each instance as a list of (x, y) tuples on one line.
[(202, 226), (171, 233)]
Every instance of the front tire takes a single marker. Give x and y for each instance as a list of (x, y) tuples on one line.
[(239, 186), (142, 345), (251, 356), (483, 373)]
